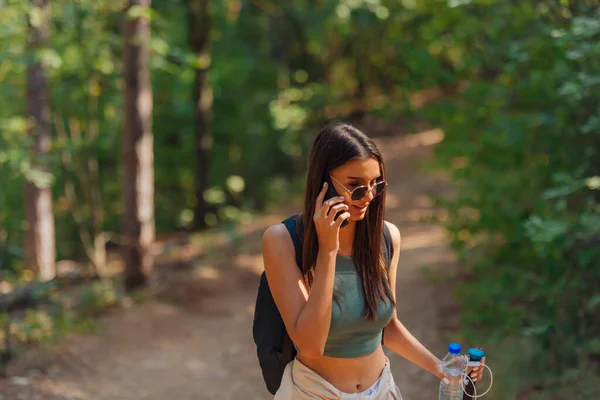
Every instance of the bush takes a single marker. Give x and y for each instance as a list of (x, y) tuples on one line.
[(522, 142)]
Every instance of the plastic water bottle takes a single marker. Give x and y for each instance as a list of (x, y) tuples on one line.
[(454, 365)]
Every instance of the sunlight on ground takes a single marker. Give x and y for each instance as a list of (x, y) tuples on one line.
[(250, 262), (196, 365), (207, 272), (64, 389), (426, 238), (165, 309), (418, 215), (155, 364), (391, 200), (422, 201), (165, 344), (433, 258), (425, 138)]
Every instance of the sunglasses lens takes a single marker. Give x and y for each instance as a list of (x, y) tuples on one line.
[(359, 193), (379, 188)]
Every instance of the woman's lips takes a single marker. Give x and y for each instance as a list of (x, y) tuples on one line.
[(360, 209)]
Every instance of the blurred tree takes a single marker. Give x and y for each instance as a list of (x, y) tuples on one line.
[(199, 25), (138, 230), (40, 252)]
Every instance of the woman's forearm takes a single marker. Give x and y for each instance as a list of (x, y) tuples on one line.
[(312, 325), (398, 339)]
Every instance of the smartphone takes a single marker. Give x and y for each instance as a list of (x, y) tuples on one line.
[(331, 192)]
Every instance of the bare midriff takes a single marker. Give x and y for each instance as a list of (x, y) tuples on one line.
[(349, 375)]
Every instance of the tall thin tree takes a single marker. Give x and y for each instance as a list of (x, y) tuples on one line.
[(199, 25), (138, 225), (40, 250)]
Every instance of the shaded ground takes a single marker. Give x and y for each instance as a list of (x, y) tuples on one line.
[(193, 341)]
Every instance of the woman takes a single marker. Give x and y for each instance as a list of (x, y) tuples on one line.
[(342, 304)]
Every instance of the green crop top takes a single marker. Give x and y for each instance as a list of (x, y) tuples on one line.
[(350, 333)]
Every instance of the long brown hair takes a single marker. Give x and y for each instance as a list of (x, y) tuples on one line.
[(335, 145)]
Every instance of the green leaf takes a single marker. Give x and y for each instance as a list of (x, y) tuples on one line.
[(594, 302), (593, 182), (235, 184), (594, 345), (536, 330), (36, 17), (138, 11)]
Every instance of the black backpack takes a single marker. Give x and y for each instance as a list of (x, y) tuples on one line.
[(274, 347)]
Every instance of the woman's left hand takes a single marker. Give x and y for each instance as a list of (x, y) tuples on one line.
[(476, 373)]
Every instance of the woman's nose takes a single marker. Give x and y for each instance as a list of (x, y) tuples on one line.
[(370, 194)]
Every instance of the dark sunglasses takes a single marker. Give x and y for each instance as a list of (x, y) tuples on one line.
[(361, 191)]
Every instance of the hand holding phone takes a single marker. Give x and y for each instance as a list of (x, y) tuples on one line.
[(331, 193), (329, 215)]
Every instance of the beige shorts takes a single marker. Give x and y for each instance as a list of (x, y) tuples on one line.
[(301, 383)]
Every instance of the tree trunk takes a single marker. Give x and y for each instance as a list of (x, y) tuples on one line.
[(359, 106), (199, 38), (138, 230), (40, 251)]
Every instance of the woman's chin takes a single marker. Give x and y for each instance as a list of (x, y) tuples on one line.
[(359, 216)]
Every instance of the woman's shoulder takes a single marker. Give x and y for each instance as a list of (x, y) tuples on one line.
[(280, 234), (274, 234), (278, 248)]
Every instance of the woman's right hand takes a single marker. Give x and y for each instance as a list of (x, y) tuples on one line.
[(328, 228)]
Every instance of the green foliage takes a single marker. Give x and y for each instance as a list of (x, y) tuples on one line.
[(520, 111), (62, 311), (277, 72), (522, 143), (14, 163)]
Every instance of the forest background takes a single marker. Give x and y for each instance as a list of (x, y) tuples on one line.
[(122, 123)]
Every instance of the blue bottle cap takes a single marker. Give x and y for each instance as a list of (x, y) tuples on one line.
[(454, 348), (475, 354)]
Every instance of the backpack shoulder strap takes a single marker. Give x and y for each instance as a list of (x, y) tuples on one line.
[(293, 224), (388, 248)]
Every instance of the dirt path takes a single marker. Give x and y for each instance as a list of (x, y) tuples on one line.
[(194, 341)]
